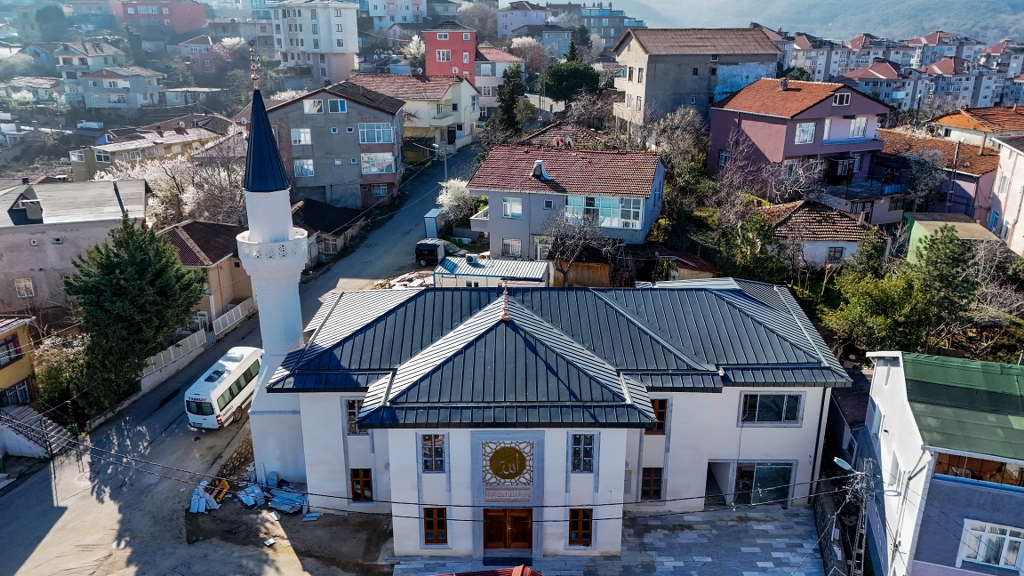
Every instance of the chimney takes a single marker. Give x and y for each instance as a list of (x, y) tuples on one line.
[(539, 172), (1014, 106), (783, 84)]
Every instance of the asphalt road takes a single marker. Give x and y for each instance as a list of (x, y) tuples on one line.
[(95, 512)]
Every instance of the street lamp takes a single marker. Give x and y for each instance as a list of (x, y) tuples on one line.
[(444, 155)]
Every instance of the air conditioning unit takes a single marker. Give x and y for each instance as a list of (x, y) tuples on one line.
[(472, 258)]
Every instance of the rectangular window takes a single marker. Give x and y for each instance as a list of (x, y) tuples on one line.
[(435, 526), (337, 13), (858, 127), (465, 57), (696, 71), (442, 35), (378, 163), (9, 351), (723, 157), (379, 190), (991, 544), (335, 106), (362, 484), (433, 452), (841, 99), (352, 408), (835, 254), (303, 168), (1003, 181), (827, 131), (103, 156), (338, 28), (581, 526), (650, 487), (714, 71), (512, 208), (805, 133), (640, 76), (376, 133), (77, 156), (486, 91), (979, 469), (313, 106), (444, 55), (629, 75), (340, 43), (301, 137), (784, 408), (511, 248), (23, 286), (639, 103), (582, 452), (465, 36), (661, 414)]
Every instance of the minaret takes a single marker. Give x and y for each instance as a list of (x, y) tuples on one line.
[(273, 253)]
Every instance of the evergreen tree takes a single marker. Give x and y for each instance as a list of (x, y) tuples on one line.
[(887, 313), (573, 55), (869, 261), (132, 292), (53, 23), (561, 81), (944, 269), (751, 252), (510, 93)]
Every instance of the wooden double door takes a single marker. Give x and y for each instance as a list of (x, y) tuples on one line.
[(509, 528)]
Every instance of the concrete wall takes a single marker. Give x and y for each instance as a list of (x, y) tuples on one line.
[(228, 281), (18, 445), (816, 253), (45, 263), (336, 179), (897, 442), (1010, 203), (950, 502)]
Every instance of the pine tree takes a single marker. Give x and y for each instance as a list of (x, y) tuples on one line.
[(132, 292), (573, 55), (944, 270)]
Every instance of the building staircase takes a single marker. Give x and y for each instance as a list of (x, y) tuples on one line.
[(37, 429)]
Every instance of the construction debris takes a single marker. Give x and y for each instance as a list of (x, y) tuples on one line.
[(252, 495), (417, 279), (221, 490), (272, 479), (269, 542), (312, 516), (287, 501), (275, 516)]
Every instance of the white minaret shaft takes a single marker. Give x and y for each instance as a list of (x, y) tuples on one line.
[(273, 253)]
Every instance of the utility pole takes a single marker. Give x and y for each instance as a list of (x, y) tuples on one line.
[(866, 489), (952, 177)]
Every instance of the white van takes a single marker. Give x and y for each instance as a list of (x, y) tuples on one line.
[(215, 399)]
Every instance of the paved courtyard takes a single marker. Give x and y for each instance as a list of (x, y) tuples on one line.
[(745, 542)]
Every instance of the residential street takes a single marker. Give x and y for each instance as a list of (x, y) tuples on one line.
[(99, 514)]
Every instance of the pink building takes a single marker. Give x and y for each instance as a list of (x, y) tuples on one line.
[(174, 15), (791, 121)]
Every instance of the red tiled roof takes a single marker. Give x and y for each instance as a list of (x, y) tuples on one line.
[(995, 119), (861, 40), (203, 243), (968, 160), (880, 70), (9, 322), (406, 87), (485, 54), (948, 67), (577, 135), (813, 221), (998, 47), (123, 72), (764, 97), (577, 171), (700, 41)]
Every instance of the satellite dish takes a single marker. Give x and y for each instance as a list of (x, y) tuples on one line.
[(419, 71), (455, 70)]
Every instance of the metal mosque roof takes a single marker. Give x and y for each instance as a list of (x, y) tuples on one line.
[(264, 171)]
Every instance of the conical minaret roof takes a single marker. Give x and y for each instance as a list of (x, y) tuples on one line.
[(264, 171)]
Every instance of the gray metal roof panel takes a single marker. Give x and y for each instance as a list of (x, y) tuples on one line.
[(326, 382), (679, 382), (494, 268)]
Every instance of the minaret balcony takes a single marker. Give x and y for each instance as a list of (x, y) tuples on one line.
[(253, 253)]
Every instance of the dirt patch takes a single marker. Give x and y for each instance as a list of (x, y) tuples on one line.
[(351, 542)]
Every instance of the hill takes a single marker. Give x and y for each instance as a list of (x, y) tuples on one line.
[(986, 20)]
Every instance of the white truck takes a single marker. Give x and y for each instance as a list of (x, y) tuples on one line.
[(89, 125)]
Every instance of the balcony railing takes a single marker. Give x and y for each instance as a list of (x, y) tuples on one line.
[(479, 222), (296, 247)]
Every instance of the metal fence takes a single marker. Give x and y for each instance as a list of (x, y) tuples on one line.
[(175, 352), (233, 316)]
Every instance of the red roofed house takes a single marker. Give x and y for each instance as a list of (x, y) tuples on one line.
[(491, 64), (203, 55), (868, 47), (936, 45), (122, 87), (978, 126), (815, 232), (956, 82), (212, 248), (441, 110), (885, 80), (526, 186), (792, 121)]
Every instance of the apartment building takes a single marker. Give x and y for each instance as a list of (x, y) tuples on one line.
[(607, 23), (261, 30), (77, 58), (886, 81), (956, 82), (520, 13), (343, 144), (450, 50), (824, 59), (320, 34), (937, 45), (122, 87), (555, 37), (491, 65), (868, 47), (175, 16), (384, 13), (665, 68), (1006, 219), (783, 40), (92, 14)]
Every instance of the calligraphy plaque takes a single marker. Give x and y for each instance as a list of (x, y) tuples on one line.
[(507, 494), (507, 463)]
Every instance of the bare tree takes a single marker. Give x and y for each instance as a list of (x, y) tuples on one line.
[(795, 180), (738, 180), (682, 137), (572, 236), (535, 55), (992, 260), (480, 16), (927, 172), (591, 109)]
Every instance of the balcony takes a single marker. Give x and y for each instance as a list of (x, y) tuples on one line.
[(480, 221), (443, 119), (274, 254)]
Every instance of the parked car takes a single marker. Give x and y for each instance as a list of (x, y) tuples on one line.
[(428, 251), (88, 124)]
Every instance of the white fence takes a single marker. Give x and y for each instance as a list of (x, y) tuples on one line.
[(176, 352), (227, 320)]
